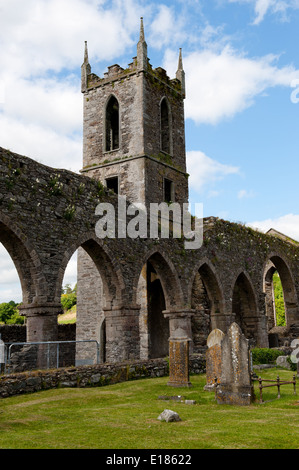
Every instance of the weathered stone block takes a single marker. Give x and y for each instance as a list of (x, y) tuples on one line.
[(213, 359), (169, 416), (235, 386)]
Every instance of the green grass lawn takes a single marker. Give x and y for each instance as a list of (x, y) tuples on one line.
[(124, 416)]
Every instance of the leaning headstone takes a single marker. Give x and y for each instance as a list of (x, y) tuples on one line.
[(169, 416), (235, 386), (213, 359)]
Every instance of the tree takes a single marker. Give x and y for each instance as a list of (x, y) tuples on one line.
[(279, 300), (9, 313), (68, 297)]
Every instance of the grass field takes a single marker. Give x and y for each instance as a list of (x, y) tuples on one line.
[(68, 317), (124, 416)]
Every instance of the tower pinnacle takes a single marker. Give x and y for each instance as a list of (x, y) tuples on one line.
[(85, 54), (142, 49), (180, 74), (85, 69), (142, 38)]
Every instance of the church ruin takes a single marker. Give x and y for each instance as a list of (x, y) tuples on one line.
[(133, 294)]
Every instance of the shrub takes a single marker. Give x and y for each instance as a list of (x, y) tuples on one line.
[(9, 313), (68, 301), (264, 355), (279, 300)]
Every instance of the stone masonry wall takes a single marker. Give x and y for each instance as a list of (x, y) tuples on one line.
[(89, 376), (47, 214)]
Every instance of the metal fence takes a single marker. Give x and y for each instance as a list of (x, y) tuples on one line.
[(40, 355)]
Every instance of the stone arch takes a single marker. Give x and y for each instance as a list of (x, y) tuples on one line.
[(276, 262), (157, 290), (26, 261), (167, 274), (166, 126), (110, 272), (100, 287), (112, 124), (245, 307), (206, 298), (268, 289)]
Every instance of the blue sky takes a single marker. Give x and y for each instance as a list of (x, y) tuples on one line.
[(242, 66)]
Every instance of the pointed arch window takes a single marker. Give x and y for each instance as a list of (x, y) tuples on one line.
[(165, 127), (112, 125)]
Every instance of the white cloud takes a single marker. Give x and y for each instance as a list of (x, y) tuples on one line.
[(41, 35), (221, 84), (287, 224), (204, 170), (54, 104), (172, 26), (263, 7), (41, 143), (42, 43), (10, 286), (244, 194), (70, 275)]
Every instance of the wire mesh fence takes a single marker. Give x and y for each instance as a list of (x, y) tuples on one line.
[(19, 357)]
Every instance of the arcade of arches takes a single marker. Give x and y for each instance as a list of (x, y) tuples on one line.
[(145, 288)]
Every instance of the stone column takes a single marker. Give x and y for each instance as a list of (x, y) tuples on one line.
[(262, 332), (180, 319), (221, 321), (42, 326), (179, 343), (122, 333)]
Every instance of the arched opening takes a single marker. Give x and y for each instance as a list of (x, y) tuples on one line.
[(24, 282), (157, 290), (244, 308), (98, 286), (158, 325), (112, 125), (279, 305), (274, 298), (69, 292), (154, 328), (25, 261), (207, 301), (10, 291), (165, 126), (280, 294)]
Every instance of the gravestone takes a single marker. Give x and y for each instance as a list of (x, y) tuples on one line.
[(213, 359), (179, 359), (235, 386)]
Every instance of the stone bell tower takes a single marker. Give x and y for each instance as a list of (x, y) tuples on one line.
[(134, 143), (134, 131)]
